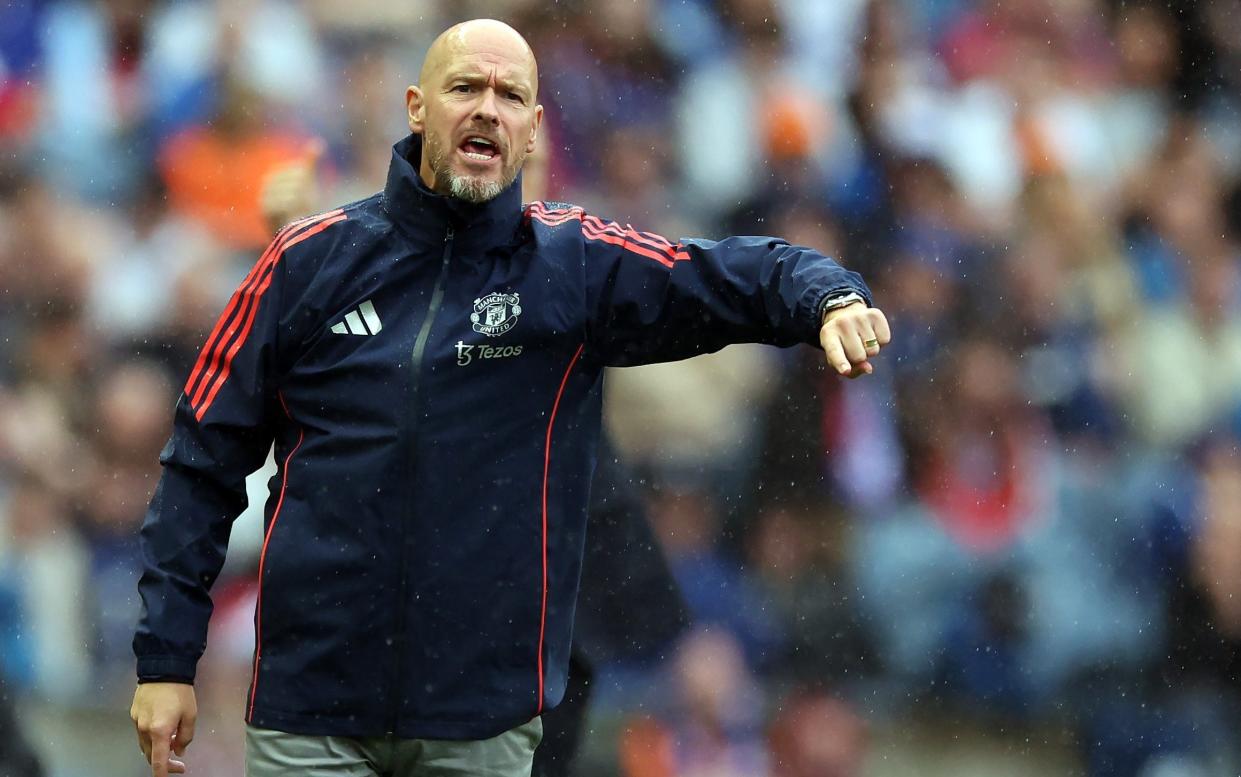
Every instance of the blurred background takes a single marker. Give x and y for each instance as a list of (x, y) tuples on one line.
[(1016, 549)]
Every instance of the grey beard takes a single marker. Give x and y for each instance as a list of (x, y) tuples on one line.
[(473, 190)]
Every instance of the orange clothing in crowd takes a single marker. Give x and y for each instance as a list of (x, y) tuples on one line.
[(218, 179)]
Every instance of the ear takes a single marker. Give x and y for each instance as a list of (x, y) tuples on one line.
[(534, 133), (415, 109)]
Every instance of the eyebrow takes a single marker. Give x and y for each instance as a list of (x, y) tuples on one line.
[(476, 76)]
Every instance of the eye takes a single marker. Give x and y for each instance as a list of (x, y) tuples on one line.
[(515, 97), (461, 88)]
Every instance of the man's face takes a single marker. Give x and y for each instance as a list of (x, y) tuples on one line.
[(476, 112)]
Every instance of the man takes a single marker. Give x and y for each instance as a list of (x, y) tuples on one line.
[(628, 604), (428, 364)]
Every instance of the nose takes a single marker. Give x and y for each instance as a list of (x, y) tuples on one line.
[(486, 109)]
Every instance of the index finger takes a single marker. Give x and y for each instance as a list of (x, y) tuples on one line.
[(144, 744), (159, 755), (835, 353)]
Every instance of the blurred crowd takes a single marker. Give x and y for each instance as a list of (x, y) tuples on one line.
[(1028, 519)]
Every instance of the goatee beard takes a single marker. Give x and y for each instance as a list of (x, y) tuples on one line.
[(471, 189)]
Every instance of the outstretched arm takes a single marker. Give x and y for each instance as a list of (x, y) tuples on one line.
[(652, 300)]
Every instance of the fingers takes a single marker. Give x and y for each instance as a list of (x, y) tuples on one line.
[(175, 765), (843, 346), (870, 341), (162, 746), (164, 715), (852, 342), (879, 324), (852, 338), (159, 752), (835, 352), (144, 736), (873, 329), (184, 735)]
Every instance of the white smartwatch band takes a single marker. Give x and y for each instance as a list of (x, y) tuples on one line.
[(831, 303)]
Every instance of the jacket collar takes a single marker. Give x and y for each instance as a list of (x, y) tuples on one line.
[(426, 216)]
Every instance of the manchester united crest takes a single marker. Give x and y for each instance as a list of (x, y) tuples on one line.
[(495, 314)]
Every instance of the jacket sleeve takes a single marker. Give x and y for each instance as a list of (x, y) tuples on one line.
[(222, 430), (651, 300)]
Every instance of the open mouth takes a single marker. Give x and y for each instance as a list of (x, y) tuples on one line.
[(479, 149)]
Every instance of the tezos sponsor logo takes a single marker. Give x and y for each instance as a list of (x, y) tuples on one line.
[(468, 352), (495, 314)]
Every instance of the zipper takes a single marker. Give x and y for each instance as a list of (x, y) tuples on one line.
[(420, 345)]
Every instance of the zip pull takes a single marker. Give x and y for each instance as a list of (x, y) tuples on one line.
[(448, 235)]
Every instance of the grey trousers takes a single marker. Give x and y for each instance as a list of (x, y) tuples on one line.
[(272, 753)]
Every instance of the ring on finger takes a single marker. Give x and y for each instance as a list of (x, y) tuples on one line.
[(872, 343)]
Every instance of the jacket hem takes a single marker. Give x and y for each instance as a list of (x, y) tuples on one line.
[(354, 726)]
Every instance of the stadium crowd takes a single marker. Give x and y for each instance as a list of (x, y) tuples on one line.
[(1028, 520)]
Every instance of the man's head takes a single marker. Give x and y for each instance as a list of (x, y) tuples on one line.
[(476, 108)]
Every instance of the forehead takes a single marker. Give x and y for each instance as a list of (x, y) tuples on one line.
[(482, 52)]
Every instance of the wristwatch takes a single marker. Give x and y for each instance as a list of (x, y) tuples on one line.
[(838, 301)]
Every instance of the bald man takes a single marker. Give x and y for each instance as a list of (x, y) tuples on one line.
[(470, 59), (427, 364)]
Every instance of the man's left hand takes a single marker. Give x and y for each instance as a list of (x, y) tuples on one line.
[(851, 336)]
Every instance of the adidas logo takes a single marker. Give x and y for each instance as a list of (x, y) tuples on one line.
[(353, 323)]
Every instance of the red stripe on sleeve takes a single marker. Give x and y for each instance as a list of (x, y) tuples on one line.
[(210, 347), (239, 341), (658, 242), (539, 211), (647, 244), (626, 244), (632, 235), (226, 326)]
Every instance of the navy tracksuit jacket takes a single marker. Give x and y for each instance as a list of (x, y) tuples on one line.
[(431, 374)]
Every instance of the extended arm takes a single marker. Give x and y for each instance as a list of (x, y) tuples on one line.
[(653, 300)]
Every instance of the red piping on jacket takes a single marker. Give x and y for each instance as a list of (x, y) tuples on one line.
[(258, 606), (547, 465)]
